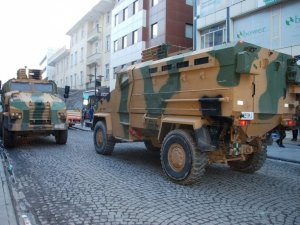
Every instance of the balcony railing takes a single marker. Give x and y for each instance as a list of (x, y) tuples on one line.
[(93, 58), (93, 35)]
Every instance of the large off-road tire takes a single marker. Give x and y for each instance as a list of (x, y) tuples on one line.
[(253, 162), (61, 137), (181, 160), (104, 143), (8, 138), (150, 147)]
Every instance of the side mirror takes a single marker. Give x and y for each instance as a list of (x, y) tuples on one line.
[(67, 90), (0, 87)]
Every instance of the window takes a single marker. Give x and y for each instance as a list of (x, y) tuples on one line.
[(107, 45), (81, 77), (125, 14), (154, 30), (135, 7), (115, 72), (213, 36), (134, 37), (116, 19), (188, 30), (115, 45), (71, 60), (189, 2), (71, 81), (82, 33), (154, 2), (75, 58), (106, 71), (81, 54), (108, 18), (124, 42), (75, 77)]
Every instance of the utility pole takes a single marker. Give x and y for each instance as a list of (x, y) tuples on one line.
[(95, 82)]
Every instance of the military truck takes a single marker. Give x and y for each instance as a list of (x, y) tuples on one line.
[(30, 106), (211, 106)]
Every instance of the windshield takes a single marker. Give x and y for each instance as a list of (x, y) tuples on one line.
[(43, 88), (31, 87), (18, 86)]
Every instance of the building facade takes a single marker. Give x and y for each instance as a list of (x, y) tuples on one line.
[(273, 24), (60, 62), (86, 64), (140, 24), (48, 71)]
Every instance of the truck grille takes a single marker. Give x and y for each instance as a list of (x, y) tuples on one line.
[(39, 113)]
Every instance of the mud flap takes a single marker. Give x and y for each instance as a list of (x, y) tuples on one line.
[(204, 140)]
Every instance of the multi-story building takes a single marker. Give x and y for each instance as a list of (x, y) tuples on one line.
[(60, 61), (140, 24), (274, 24), (48, 71), (89, 54)]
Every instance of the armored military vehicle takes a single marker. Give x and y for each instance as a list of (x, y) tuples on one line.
[(213, 106), (30, 107)]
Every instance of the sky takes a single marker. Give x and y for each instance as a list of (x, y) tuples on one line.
[(30, 27)]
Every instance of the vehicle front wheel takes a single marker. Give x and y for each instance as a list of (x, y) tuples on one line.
[(8, 138), (104, 143), (181, 161), (61, 137)]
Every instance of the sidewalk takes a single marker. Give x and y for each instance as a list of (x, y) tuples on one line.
[(291, 152), (7, 213)]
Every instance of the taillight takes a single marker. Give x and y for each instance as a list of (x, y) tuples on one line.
[(288, 123), (243, 123), (291, 123)]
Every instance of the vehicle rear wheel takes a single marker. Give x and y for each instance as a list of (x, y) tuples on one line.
[(61, 137), (253, 162), (104, 143), (150, 147), (8, 138), (181, 161)]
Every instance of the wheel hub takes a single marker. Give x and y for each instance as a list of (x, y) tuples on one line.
[(99, 137), (176, 157)]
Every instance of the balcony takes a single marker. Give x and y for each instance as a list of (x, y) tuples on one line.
[(93, 35), (94, 58)]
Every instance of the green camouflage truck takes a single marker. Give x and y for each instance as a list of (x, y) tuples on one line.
[(30, 106), (212, 106)]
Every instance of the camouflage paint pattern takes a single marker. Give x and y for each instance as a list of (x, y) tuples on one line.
[(229, 79), (37, 112)]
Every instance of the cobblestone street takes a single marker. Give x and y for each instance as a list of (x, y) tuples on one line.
[(72, 184)]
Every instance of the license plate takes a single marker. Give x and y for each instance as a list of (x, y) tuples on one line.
[(59, 126), (247, 115)]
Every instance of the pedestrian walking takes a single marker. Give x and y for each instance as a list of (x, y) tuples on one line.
[(282, 135), (91, 113)]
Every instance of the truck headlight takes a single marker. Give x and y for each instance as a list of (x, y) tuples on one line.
[(16, 115)]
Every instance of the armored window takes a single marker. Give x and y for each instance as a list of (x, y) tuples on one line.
[(18, 86), (43, 88), (182, 64), (166, 67), (153, 70), (200, 61)]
